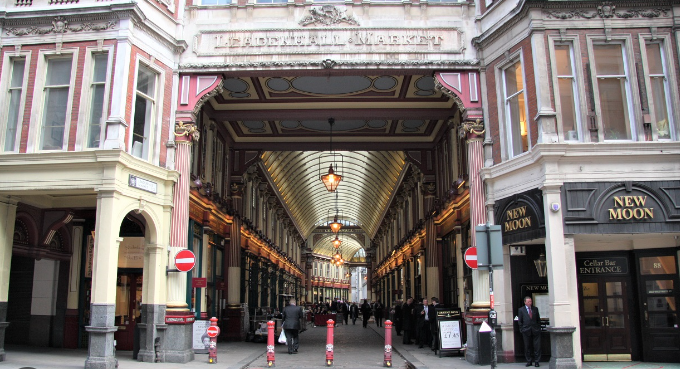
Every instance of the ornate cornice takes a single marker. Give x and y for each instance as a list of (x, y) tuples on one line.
[(327, 15), (60, 25), (471, 127), (187, 67), (565, 10)]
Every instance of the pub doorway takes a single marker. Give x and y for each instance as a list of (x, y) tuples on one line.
[(659, 295), (605, 324)]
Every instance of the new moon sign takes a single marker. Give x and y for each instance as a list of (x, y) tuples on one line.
[(185, 260)]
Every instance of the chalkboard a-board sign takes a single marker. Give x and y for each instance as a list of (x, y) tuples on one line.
[(449, 335)]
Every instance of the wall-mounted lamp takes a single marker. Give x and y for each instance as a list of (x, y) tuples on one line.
[(541, 266)]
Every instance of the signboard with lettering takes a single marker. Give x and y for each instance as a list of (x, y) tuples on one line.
[(621, 207), (143, 184), (521, 217), (131, 252), (329, 40), (602, 266), (449, 335)]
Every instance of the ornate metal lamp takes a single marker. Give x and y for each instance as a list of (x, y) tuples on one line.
[(331, 180), (541, 266)]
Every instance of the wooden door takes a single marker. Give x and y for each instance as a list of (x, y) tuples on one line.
[(605, 326), (128, 303), (659, 294)]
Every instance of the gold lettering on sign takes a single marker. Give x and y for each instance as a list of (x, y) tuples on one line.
[(517, 219), (630, 207)]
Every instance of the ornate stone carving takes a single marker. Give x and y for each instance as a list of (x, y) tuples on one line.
[(327, 15), (607, 10), (60, 25)]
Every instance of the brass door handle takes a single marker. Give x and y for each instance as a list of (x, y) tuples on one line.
[(606, 324), (646, 316)]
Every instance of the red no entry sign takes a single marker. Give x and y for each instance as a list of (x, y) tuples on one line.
[(213, 331), (471, 257), (185, 260)]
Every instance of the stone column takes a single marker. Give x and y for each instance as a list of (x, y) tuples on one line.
[(177, 344), (562, 289), (473, 131), (101, 352), (8, 212), (460, 280)]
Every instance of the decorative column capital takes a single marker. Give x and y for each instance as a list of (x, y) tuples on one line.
[(186, 132), (471, 130)]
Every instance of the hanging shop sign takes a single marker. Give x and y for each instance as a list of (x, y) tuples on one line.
[(602, 266)]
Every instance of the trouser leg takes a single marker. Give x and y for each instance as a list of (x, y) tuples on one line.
[(537, 346), (527, 346)]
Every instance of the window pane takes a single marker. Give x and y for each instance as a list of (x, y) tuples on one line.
[(54, 118), (513, 79), (58, 72), (614, 107), (663, 320), (96, 115), (616, 321), (609, 60), (591, 305), (17, 73), (146, 81), (12, 119), (101, 62), (140, 131), (659, 286), (657, 265), (658, 92), (661, 303), (568, 108), (590, 289), (518, 124), (563, 60), (654, 62)]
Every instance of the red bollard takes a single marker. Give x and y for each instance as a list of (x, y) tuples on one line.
[(330, 324), (388, 343), (270, 343), (213, 332)]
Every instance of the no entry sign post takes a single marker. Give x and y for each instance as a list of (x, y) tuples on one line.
[(185, 261), (470, 257)]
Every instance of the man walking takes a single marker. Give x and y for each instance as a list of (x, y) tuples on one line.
[(434, 328), (407, 320), (378, 312), (291, 326), (354, 311), (424, 315), (530, 326), (366, 312)]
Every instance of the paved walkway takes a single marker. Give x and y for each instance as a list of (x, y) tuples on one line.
[(355, 348)]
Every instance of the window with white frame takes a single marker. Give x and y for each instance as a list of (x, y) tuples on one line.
[(613, 91), (145, 112), (567, 91), (56, 101), (13, 98), (658, 90), (515, 110), (100, 63)]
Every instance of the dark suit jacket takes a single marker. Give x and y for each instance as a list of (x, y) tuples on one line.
[(527, 324), (431, 315), (291, 317)]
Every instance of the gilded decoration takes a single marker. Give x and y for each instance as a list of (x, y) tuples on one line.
[(471, 127), (187, 129), (60, 25), (327, 15)]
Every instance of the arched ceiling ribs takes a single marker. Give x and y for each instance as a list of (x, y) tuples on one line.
[(369, 180)]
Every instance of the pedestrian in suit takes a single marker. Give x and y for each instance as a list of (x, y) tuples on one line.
[(378, 312), (366, 312), (424, 315), (354, 312), (397, 317), (345, 311), (434, 327), (530, 326), (407, 319), (291, 326)]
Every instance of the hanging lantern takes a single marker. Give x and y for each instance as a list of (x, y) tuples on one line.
[(335, 225), (331, 180), (336, 242)]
